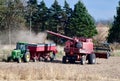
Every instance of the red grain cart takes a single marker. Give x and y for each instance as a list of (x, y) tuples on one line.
[(42, 51)]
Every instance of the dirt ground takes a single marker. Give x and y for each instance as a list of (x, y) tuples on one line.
[(103, 70)]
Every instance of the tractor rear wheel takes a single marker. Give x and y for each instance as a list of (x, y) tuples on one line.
[(83, 59), (64, 59), (91, 59), (27, 57)]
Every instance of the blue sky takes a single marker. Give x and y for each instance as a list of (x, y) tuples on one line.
[(99, 9)]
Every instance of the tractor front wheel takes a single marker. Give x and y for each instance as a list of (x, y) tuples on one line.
[(91, 59)]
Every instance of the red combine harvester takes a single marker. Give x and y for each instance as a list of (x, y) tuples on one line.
[(42, 51), (79, 49)]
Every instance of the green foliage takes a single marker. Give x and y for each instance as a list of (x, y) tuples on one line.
[(32, 16), (10, 15), (43, 15), (66, 17), (55, 14), (114, 32), (38, 17), (81, 23)]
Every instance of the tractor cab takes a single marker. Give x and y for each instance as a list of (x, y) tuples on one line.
[(21, 46)]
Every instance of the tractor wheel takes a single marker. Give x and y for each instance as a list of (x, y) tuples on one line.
[(19, 60), (83, 59), (91, 59), (64, 59), (9, 59), (27, 57)]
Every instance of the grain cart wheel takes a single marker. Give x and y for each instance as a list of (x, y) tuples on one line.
[(52, 57), (27, 57), (41, 59), (19, 60), (91, 59), (64, 59), (34, 60), (83, 59)]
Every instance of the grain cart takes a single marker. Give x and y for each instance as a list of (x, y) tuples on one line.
[(20, 53), (78, 49), (42, 51)]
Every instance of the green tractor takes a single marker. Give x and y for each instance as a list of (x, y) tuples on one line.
[(21, 53)]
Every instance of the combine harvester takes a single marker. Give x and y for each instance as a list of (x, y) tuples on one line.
[(79, 49), (26, 52)]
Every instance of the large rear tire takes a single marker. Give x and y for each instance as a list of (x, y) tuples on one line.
[(64, 59), (91, 59), (27, 57)]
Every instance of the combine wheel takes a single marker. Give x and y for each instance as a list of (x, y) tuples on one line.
[(27, 57), (64, 59), (83, 59), (91, 59), (19, 60)]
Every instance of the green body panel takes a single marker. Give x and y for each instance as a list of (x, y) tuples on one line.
[(21, 49), (16, 54)]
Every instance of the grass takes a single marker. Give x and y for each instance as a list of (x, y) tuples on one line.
[(48, 72)]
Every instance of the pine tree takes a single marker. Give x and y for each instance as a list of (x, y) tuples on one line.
[(43, 15), (32, 16), (67, 14), (114, 32), (81, 23), (55, 16)]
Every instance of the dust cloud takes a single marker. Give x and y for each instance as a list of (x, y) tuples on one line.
[(23, 36)]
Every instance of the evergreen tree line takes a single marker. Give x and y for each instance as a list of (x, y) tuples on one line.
[(64, 20), (114, 32), (38, 17)]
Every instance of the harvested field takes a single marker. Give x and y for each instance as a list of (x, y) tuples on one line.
[(103, 70)]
